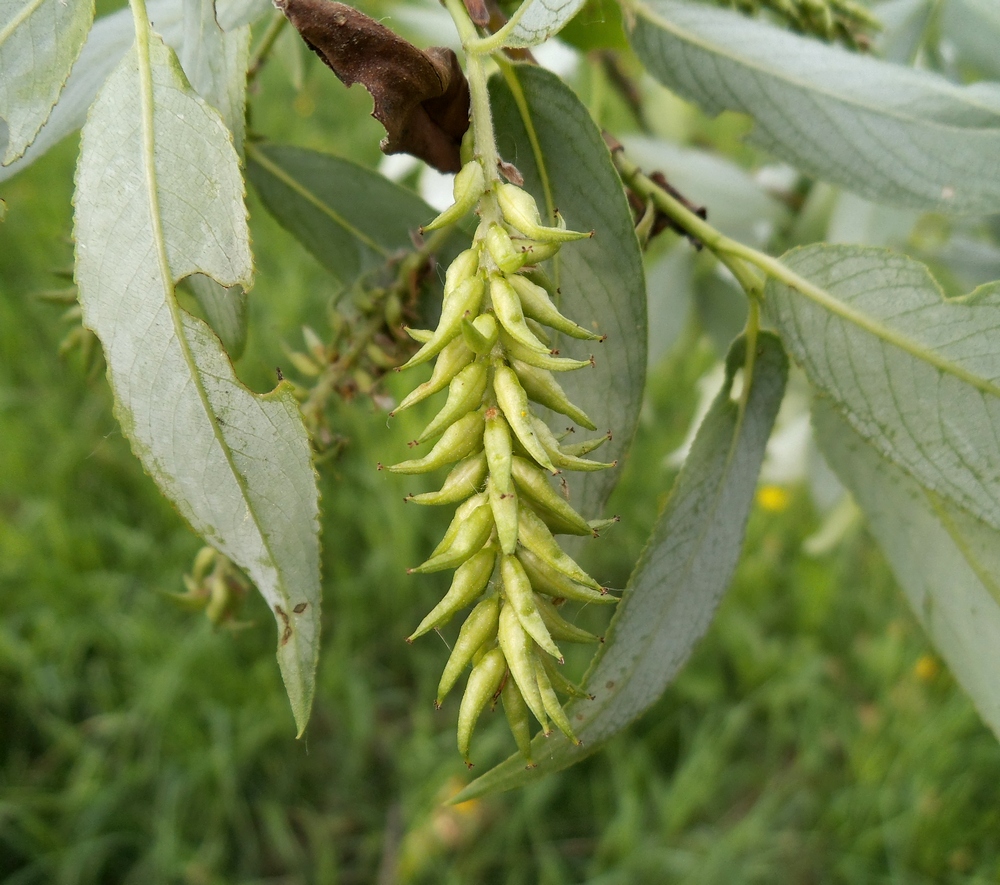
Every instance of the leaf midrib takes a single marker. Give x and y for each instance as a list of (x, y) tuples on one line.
[(784, 275), (29, 10), (265, 162), (808, 87)]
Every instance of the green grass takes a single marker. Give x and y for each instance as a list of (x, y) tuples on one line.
[(813, 738)]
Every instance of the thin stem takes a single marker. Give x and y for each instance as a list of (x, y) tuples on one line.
[(482, 116), (263, 50)]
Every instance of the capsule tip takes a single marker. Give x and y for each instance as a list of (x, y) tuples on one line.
[(379, 466)]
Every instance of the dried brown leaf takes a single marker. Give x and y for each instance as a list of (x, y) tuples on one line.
[(421, 98)]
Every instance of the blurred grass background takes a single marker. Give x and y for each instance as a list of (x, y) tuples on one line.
[(813, 738)]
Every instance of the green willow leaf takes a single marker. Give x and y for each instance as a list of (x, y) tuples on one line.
[(680, 578), (350, 218), (225, 309), (39, 42), (547, 133), (916, 375), (537, 20), (892, 134), (946, 560), (215, 62), (159, 197)]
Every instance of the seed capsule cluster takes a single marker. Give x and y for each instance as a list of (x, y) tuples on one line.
[(493, 355)]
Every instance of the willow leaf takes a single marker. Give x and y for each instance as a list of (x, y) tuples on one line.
[(159, 197), (891, 133), (917, 375), (946, 560), (39, 42)]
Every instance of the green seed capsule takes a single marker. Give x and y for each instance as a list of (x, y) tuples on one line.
[(534, 535), (584, 447), (465, 393), (554, 583), (504, 506), (421, 336), (535, 303), (535, 251), (518, 718), (507, 306), (518, 208), (484, 683), (517, 648), (513, 401), (464, 267), (463, 302), (502, 250), (465, 479), (545, 390), (470, 184), (462, 514), (468, 532), (497, 444), (542, 360), (561, 629), (453, 358), (536, 486), (462, 439), (559, 458), (479, 628), (551, 703), (469, 581), (480, 334), (517, 588), (559, 682), (599, 525)]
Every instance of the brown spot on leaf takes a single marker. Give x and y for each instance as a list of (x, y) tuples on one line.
[(301, 607), (286, 633), (421, 98)]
